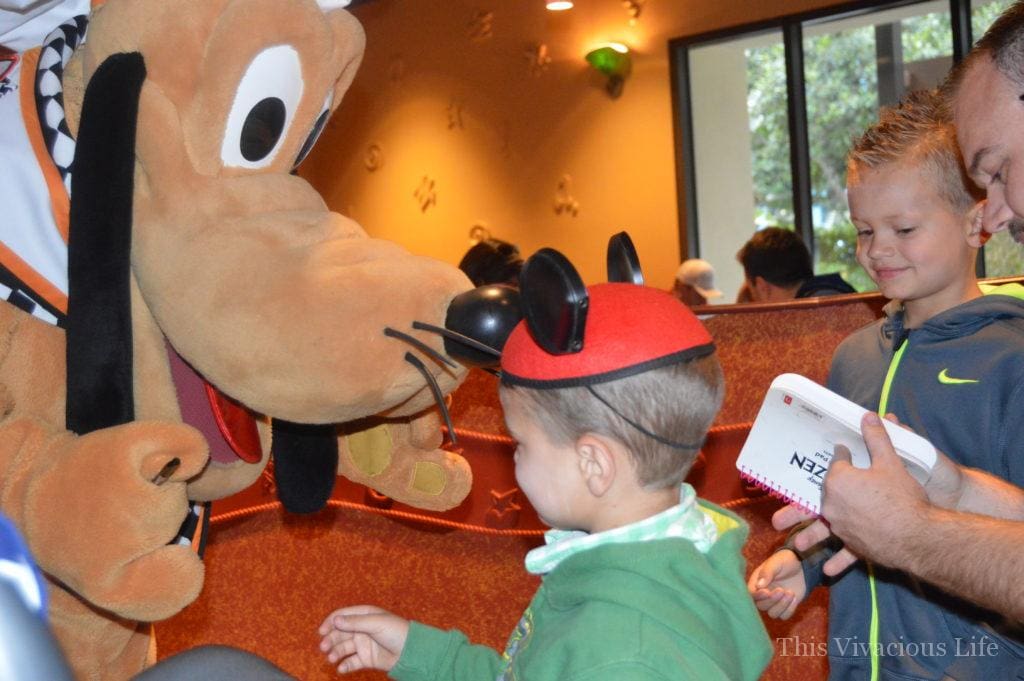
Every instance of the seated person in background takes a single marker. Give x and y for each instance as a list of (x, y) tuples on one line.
[(743, 295), (946, 362), (777, 267), (492, 261), (695, 282), (641, 580)]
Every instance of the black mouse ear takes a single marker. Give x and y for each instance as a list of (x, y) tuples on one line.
[(623, 263), (554, 302)]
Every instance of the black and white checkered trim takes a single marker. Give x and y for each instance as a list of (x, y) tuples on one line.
[(25, 303), (53, 58), (15, 292)]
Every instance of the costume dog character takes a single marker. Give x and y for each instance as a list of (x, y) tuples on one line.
[(193, 254)]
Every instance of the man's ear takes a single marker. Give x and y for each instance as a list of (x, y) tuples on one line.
[(761, 289), (597, 464), (973, 231)]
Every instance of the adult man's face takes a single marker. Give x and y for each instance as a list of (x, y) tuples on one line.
[(989, 118)]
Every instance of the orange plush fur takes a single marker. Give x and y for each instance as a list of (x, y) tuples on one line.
[(277, 301)]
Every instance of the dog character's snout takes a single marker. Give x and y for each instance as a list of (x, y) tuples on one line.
[(486, 315)]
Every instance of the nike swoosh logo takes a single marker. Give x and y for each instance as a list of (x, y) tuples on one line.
[(945, 378)]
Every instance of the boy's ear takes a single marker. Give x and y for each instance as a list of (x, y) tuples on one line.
[(597, 462), (973, 231)]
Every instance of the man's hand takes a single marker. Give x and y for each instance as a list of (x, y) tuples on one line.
[(947, 482), (817, 532), (870, 508), (363, 637)]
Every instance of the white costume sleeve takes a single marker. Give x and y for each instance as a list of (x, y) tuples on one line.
[(24, 23)]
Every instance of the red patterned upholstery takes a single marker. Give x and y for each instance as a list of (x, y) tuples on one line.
[(756, 343), (474, 406)]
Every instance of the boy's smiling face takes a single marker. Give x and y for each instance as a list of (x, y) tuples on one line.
[(913, 244), (547, 472)]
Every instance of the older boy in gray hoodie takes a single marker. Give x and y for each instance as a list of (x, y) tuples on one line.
[(946, 362)]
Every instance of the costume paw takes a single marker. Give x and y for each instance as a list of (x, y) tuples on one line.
[(101, 509), (394, 460)]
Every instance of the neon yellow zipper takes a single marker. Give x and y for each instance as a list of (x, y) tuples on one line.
[(883, 402)]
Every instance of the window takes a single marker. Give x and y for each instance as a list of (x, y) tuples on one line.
[(741, 157), (770, 113), (983, 13)]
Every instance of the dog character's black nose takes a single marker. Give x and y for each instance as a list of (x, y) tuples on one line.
[(486, 314)]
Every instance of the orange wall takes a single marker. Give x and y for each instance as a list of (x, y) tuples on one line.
[(448, 97)]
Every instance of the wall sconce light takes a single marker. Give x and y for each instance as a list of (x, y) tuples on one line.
[(614, 61), (558, 5)]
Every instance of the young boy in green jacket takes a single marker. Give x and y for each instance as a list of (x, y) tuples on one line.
[(641, 580)]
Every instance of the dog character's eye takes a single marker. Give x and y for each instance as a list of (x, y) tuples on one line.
[(318, 128), (264, 107)]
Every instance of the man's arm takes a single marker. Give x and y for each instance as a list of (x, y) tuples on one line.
[(986, 494), (956, 487), (973, 556)]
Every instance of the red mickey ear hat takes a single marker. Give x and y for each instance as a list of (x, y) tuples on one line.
[(572, 336), (628, 329)]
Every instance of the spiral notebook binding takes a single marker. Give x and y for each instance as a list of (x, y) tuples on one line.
[(783, 493)]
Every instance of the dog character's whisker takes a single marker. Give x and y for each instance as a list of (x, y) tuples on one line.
[(419, 345), (436, 389), (457, 337)]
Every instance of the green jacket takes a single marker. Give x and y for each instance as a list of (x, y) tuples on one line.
[(618, 612)]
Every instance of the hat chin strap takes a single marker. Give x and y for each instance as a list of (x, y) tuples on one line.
[(656, 438)]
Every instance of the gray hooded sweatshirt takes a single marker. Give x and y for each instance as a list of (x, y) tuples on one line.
[(958, 380)]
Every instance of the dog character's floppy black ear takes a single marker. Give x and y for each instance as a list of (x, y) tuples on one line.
[(100, 391), (623, 262), (486, 314), (554, 302)]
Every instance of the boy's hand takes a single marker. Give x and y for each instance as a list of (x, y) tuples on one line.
[(363, 637), (777, 585)]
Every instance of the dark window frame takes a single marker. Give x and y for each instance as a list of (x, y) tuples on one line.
[(791, 27)]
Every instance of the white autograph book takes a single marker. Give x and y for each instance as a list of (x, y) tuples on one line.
[(796, 430)]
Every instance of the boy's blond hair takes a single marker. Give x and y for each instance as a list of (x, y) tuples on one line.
[(918, 132), (677, 402)]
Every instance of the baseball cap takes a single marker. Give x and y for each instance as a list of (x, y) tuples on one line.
[(700, 275)]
